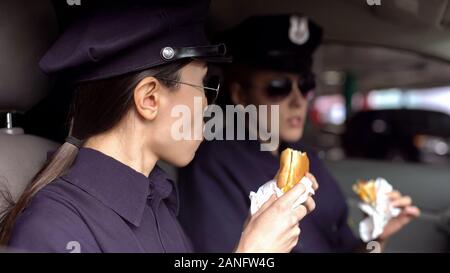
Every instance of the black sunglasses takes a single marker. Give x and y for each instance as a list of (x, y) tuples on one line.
[(280, 88)]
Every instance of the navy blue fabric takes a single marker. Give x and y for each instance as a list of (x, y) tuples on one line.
[(112, 38), (214, 200), (104, 206)]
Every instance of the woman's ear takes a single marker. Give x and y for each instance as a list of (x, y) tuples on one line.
[(237, 94), (147, 96)]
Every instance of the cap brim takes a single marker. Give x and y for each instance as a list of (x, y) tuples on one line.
[(208, 53), (218, 59)]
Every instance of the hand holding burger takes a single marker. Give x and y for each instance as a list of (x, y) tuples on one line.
[(275, 226)]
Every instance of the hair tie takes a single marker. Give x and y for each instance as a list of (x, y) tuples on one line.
[(74, 141)]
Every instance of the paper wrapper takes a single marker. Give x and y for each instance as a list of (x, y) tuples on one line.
[(264, 193), (379, 215)]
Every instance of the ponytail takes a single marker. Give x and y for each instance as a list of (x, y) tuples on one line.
[(53, 168)]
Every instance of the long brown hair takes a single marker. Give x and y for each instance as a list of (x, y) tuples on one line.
[(96, 108)]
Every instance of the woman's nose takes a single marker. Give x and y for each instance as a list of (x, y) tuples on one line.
[(204, 100)]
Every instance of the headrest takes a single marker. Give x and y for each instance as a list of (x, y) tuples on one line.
[(27, 29)]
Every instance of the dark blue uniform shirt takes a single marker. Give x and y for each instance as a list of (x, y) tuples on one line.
[(102, 205), (214, 200)]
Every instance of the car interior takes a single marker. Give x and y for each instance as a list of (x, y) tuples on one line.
[(381, 107)]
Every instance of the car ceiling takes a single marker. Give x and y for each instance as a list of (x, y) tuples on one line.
[(401, 43)]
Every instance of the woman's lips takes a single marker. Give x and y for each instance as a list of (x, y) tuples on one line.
[(295, 122)]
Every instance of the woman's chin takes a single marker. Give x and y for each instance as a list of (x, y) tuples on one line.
[(292, 135), (182, 160)]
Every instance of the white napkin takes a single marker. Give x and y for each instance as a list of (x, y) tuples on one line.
[(379, 215), (268, 189)]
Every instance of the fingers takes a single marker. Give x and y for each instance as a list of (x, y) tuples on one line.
[(293, 194), (289, 198), (267, 204), (296, 231), (310, 205), (393, 195), (299, 213), (412, 211), (403, 219), (313, 180), (402, 202)]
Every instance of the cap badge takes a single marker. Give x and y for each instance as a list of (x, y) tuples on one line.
[(299, 30)]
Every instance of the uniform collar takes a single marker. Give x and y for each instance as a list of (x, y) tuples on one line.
[(118, 186)]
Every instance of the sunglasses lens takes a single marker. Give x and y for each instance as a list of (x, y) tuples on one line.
[(211, 82), (211, 96), (307, 84), (279, 88)]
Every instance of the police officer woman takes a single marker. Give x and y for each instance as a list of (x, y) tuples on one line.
[(102, 190)]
